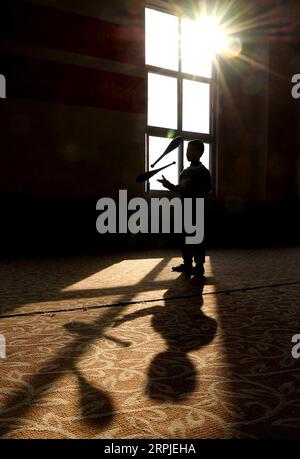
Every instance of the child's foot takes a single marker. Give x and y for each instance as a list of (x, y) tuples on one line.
[(187, 269)]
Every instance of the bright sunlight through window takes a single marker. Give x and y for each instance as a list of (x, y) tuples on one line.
[(162, 39), (180, 54)]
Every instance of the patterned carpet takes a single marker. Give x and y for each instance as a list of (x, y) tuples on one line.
[(120, 347)]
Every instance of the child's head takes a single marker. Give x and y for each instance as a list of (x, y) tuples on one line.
[(195, 150)]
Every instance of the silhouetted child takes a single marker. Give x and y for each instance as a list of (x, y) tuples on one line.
[(194, 182)]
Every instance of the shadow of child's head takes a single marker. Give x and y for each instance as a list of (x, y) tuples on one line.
[(171, 376)]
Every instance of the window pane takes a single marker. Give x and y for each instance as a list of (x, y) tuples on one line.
[(197, 54), (161, 39), (162, 101), (196, 107), (205, 159), (157, 146)]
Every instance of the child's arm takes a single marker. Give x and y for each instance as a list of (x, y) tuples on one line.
[(165, 183)]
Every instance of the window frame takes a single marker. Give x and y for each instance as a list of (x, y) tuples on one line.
[(154, 131)]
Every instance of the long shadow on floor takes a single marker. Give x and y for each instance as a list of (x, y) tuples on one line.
[(262, 378), (97, 406), (185, 328), (42, 280), (39, 282)]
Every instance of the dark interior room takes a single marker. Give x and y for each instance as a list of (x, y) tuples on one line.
[(149, 236)]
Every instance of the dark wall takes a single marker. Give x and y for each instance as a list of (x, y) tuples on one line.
[(283, 171), (72, 126), (74, 114)]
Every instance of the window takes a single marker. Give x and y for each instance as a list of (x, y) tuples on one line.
[(179, 64)]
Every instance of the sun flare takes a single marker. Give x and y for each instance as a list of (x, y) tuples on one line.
[(212, 32), (216, 37)]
